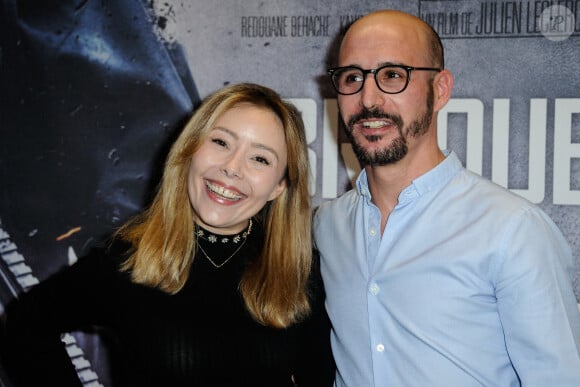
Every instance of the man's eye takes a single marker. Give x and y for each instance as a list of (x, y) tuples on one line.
[(352, 78), (391, 75)]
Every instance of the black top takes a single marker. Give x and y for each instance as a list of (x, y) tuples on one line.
[(201, 336)]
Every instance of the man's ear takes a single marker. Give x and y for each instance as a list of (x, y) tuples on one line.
[(442, 86)]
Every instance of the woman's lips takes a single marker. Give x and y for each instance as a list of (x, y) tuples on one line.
[(221, 191)]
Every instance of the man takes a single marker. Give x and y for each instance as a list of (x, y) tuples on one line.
[(439, 277)]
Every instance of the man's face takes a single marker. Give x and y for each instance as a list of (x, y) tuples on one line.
[(376, 118), (384, 128)]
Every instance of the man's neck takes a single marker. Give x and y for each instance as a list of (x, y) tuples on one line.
[(386, 182)]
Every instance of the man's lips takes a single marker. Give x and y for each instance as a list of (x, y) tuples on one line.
[(375, 124), (375, 127), (223, 192), (375, 119)]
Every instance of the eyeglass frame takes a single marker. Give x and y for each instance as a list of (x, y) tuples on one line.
[(331, 72)]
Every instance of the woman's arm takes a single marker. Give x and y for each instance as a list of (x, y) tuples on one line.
[(74, 298)]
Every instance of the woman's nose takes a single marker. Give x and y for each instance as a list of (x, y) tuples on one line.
[(233, 166)]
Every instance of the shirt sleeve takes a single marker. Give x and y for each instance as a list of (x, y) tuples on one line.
[(536, 302)]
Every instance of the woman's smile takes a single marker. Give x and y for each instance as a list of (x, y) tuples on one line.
[(228, 193)]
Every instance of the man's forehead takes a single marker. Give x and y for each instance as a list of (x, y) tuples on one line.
[(371, 39)]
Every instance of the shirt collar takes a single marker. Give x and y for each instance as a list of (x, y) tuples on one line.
[(431, 180)]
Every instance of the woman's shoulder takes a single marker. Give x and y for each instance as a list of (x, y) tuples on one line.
[(103, 260)]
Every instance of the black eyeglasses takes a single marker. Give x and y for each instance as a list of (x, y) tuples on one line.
[(390, 79)]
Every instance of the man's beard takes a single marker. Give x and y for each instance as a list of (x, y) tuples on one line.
[(397, 149)]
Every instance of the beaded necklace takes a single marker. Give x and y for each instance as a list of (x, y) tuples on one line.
[(240, 239)]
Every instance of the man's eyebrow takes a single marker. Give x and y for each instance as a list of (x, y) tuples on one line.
[(381, 64), (391, 64)]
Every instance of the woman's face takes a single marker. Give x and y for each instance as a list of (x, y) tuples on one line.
[(238, 168)]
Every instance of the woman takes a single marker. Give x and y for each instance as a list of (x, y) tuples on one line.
[(214, 284)]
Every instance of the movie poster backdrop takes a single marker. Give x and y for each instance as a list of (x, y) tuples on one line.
[(93, 92)]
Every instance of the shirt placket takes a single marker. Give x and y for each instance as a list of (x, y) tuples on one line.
[(373, 240)]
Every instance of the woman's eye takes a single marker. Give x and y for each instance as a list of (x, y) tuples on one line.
[(262, 160), (219, 142)]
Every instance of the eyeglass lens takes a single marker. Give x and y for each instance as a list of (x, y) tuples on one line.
[(390, 79)]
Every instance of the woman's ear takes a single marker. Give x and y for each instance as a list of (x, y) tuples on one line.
[(278, 190)]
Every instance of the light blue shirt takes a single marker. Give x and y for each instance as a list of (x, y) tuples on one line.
[(469, 285)]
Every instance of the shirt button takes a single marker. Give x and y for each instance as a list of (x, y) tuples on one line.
[(374, 289), (372, 232), (380, 348)]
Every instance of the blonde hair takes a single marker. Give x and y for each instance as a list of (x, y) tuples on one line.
[(274, 287)]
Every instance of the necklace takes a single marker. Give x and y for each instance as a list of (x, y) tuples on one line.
[(200, 233)]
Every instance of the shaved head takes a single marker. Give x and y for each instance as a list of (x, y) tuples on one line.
[(408, 25)]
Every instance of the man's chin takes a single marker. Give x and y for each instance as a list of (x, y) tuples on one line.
[(380, 156)]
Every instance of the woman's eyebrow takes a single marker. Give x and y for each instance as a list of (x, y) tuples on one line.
[(258, 145)]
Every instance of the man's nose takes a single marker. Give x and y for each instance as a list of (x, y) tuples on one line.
[(370, 95)]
